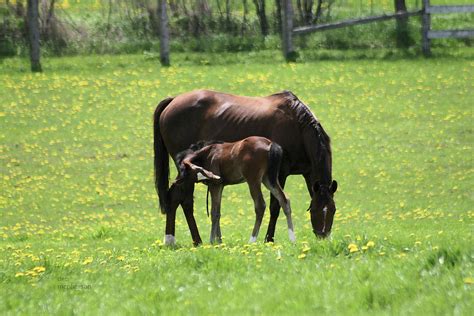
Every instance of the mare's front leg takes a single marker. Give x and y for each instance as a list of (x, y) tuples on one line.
[(259, 202), (284, 202), (274, 211), (216, 197), (188, 209)]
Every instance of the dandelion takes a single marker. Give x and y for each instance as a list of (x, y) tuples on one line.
[(302, 256), (353, 248), (469, 280), (88, 260), (39, 269), (19, 274), (120, 258)]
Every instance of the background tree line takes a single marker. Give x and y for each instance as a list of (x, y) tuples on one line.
[(131, 26)]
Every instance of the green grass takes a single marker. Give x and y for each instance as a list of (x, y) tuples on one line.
[(80, 229)]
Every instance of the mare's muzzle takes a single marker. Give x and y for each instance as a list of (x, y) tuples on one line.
[(322, 223)]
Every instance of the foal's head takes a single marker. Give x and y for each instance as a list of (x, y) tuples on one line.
[(323, 208), (188, 174)]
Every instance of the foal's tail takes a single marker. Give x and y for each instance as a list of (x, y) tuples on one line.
[(275, 156), (162, 168)]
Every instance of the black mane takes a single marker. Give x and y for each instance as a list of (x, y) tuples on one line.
[(310, 123), (307, 119)]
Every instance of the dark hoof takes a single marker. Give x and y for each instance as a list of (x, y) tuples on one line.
[(269, 239)]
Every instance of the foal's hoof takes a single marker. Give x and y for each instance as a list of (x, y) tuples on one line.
[(291, 235), (252, 239), (216, 241)]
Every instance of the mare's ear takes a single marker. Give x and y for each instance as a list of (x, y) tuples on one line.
[(333, 187), (316, 187)]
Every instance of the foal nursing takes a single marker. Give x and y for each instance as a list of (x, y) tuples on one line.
[(254, 160)]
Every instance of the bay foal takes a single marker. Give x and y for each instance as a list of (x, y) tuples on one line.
[(254, 160)]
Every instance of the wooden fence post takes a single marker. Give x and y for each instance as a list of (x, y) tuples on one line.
[(287, 31), (426, 25)]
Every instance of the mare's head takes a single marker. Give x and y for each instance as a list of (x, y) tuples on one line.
[(323, 208)]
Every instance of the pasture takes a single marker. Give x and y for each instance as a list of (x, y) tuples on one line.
[(81, 232)]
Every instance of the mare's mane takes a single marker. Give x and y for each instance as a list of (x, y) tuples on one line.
[(307, 119)]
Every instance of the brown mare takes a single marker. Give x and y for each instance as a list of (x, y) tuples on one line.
[(282, 118), (254, 160)]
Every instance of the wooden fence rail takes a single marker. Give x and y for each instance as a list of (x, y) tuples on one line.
[(370, 19), (427, 33)]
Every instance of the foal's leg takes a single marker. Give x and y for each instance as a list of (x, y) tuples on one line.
[(259, 202), (216, 196), (188, 209), (274, 211), (170, 226), (278, 193)]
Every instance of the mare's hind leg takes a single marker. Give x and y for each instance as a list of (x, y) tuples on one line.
[(259, 202), (216, 196), (278, 193)]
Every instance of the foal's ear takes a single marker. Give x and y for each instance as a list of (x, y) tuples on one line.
[(333, 187), (316, 187)]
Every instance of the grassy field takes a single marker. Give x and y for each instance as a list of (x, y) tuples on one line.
[(81, 233)]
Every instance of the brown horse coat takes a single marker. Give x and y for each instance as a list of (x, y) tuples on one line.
[(281, 117)]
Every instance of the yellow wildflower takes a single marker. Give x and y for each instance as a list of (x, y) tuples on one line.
[(88, 260), (469, 280), (353, 248), (39, 269)]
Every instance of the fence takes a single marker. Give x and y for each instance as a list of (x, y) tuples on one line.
[(428, 34), (425, 13)]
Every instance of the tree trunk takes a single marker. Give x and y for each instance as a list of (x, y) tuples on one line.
[(227, 15), (319, 11), (34, 35), (308, 11), (278, 15), (164, 34), (262, 16), (244, 18), (300, 11), (402, 35), (287, 32)]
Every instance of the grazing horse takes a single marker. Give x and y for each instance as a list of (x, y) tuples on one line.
[(282, 118), (254, 160)]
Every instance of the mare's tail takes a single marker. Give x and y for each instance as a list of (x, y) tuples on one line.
[(162, 168)]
